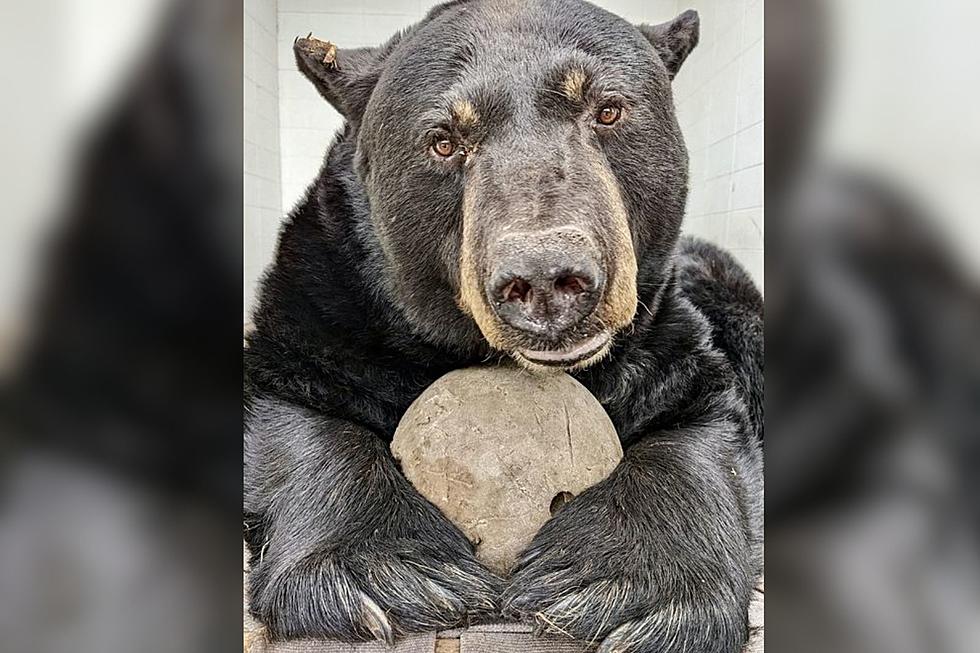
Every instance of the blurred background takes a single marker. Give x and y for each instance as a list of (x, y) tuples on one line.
[(872, 327), (719, 96), (120, 326)]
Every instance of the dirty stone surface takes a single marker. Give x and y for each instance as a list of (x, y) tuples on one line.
[(498, 449)]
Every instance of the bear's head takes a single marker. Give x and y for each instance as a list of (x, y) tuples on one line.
[(522, 169)]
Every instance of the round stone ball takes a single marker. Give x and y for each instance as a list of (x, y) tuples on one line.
[(499, 450)]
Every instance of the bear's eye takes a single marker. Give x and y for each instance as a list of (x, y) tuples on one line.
[(609, 115), (444, 148)]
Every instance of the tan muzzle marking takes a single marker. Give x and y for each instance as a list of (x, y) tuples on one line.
[(620, 301), (471, 298)]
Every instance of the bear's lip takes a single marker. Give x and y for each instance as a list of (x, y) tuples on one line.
[(577, 353)]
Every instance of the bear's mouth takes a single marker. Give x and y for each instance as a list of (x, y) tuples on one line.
[(581, 352)]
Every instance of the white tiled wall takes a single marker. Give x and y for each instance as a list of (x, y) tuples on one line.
[(263, 198), (719, 96)]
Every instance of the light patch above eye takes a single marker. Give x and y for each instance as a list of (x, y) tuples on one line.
[(573, 86), (465, 113)]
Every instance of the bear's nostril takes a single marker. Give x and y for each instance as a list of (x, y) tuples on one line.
[(517, 290), (570, 284)]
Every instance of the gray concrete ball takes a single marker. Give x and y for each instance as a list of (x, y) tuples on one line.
[(500, 449)]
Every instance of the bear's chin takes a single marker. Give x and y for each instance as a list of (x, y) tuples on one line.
[(575, 357)]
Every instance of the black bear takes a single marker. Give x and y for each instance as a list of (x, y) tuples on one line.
[(510, 183)]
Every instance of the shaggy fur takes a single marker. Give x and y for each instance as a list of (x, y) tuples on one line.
[(362, 310)]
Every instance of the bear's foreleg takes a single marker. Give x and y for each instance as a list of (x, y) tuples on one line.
[(342, 546), (656, 558)]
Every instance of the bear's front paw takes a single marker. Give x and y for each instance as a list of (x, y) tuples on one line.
[(595, 573), (379, 591)]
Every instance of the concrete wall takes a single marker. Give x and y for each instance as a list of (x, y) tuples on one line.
[(719, 97), (263, 195)]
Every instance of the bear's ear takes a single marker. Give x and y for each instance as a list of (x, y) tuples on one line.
[(345, 77), (674, 39)]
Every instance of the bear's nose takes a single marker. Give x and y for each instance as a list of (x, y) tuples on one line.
[(545, 290)]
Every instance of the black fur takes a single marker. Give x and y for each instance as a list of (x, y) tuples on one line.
[(359, 314)]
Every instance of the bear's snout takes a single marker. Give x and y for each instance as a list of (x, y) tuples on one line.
[(545, 283)]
